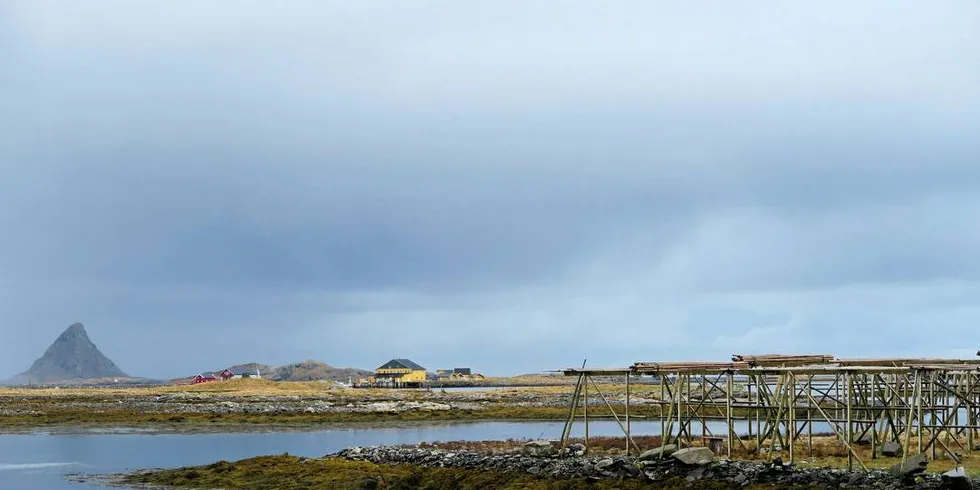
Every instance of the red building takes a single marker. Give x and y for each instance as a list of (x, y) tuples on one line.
[(204, 378)]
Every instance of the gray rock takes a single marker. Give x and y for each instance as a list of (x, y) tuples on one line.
[(957, 479), (656, 452), (604, 464), (694, 455), (913, 466), (728, 474), (695, 474), (539, 449), (891, 449), (576, 449)]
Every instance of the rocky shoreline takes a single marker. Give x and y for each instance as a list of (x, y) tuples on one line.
[(692, 464)]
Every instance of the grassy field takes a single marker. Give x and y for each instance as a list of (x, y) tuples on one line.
[(130, 418), (293, 473), (259, 387), (280, 404)]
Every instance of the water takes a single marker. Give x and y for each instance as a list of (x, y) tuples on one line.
[(40, 461), (465, 389)]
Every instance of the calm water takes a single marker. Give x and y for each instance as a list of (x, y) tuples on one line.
[(40, 461)]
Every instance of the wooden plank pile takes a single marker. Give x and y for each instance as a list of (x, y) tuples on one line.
[(783, 360), (687, 367)]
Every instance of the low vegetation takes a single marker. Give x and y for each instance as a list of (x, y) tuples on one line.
[(294, 473), (177, 421), (261, 402)]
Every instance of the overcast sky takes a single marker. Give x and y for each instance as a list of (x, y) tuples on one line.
[(509, 185)]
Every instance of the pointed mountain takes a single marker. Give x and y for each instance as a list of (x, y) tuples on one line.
[(71, 357)]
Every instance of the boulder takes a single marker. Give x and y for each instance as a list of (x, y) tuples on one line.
[(694, 455), (576, 449), (891, 449), (913, 466), (538, 449), (695, 474), (657, 451), (957, 479), (604, 464)]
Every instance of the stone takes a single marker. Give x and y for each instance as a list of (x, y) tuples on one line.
[(604, 464), (657, 451), (694, 455), (695, 474), (913, 466), (957, 479), (538, 449), (891, 449), (576, 449)]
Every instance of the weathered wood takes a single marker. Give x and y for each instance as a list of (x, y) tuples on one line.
[(615, 416)]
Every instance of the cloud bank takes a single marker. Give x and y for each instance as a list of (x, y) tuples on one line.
[(510, 186)]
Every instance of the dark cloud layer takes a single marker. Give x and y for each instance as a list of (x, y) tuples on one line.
[(521, 186)]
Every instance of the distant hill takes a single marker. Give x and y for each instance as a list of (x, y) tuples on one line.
[(314, 370), (309, 370), (73, 357), (264, 370)]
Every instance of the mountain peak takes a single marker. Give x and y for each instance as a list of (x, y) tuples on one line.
[(75, 330), (72, 356)]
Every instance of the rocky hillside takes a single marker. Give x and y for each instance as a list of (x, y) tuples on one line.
[(73, 357), (314, 370), (299, 371)]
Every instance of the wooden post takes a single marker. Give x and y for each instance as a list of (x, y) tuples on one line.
[(918, 403), (612, 410), (728, 413), (809, 417), (874, 416), (758, 421), (748, 417), (704, 396), (585, 412), (680, 420), (567, 431), (791, 422), (911, 414), (970, 421), (628, 435), (687, 413), (933, 403), (835, 423), (850, 430), (663, 420), (837, 386)]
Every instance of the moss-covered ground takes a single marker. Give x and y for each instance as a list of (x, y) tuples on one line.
[(294, 473)]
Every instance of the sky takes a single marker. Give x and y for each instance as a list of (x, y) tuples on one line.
[(508, 185)]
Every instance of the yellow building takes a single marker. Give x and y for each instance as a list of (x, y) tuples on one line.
[(399, 373)]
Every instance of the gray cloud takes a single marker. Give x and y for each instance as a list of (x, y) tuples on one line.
[(523, 185)]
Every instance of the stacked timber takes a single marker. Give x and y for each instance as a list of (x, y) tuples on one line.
[(783, 360), (907, 362), (688, 367)]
